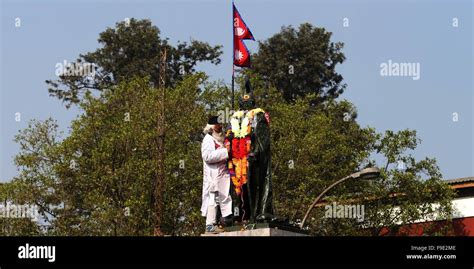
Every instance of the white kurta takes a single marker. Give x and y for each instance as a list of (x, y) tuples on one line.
[(216, 177)]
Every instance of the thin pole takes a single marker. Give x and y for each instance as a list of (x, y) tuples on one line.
[(233, 53), (232, 86), (319, 198), (160, 175)]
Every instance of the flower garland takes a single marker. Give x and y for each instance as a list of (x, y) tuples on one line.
[(241, 127)]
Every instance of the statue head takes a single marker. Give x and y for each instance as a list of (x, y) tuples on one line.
[(247, 101)]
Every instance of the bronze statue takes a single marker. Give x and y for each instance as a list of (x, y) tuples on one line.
[(248, 143)]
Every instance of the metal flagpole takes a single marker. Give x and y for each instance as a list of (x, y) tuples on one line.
[(232, 86), (233, 53)]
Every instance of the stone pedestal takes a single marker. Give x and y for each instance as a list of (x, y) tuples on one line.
[(259, 230)]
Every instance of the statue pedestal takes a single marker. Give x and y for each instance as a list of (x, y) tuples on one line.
[(263, 229)]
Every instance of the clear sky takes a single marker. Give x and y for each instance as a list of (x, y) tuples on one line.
[(419, 32)]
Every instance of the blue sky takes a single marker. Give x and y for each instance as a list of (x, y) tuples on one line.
[(379, 31)]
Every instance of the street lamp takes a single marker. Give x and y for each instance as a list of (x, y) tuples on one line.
[(366, 174)]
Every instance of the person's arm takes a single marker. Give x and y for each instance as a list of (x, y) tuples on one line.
[(210, 154)]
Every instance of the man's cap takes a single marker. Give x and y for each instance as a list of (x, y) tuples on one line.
[(213, 120)]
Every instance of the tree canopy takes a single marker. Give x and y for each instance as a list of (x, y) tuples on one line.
[(98, 179), (132, 48), (301, 61)]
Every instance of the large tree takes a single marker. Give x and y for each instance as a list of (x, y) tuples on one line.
[(312, 147), (301, 61), (132, 48), (99, 179)]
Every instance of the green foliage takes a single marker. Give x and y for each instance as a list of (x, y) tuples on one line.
[(310, 148), (131, 50), (114, 164), (411, 192), (118, 168), (301, 61), (14, 226), (99, 179)]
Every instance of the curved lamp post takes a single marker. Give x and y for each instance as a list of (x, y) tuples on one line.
[(367, 173)]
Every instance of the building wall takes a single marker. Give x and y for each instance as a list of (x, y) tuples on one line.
[(462, 222)]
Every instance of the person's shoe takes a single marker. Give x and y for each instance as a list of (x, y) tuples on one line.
[(213, 229)]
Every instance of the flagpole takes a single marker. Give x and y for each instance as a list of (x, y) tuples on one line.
[(233, 54), (232, 85)]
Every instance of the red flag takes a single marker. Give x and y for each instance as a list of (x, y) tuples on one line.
[(241, 53), (241, 31)]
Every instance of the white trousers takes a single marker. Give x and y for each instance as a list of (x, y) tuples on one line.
[(211, 209)]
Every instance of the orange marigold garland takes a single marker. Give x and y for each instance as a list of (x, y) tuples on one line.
[(238, 145)]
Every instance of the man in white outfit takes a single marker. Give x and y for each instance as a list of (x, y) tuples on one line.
[(216, 180)]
